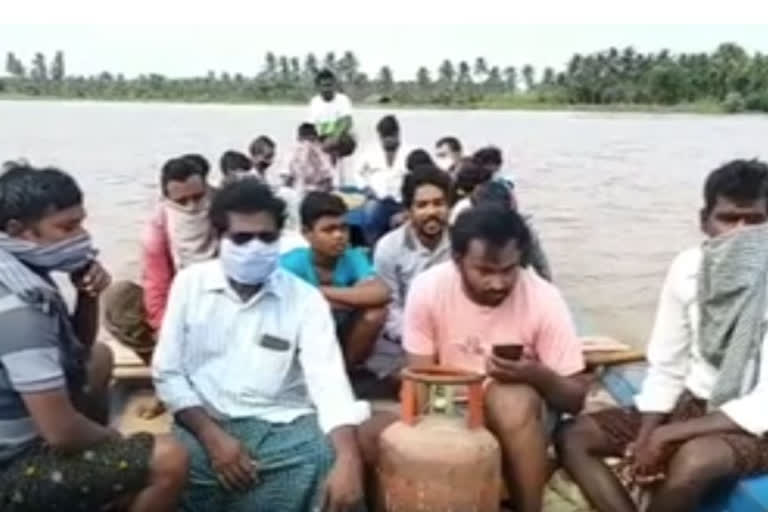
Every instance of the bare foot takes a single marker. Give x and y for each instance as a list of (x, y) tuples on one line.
[(151, 411)]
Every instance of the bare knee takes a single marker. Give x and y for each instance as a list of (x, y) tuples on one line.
[(100, 366), (699, 462), (581, 436), (170, 462), (511, 407)]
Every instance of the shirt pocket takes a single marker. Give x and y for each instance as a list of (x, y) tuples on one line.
[(270, 360)]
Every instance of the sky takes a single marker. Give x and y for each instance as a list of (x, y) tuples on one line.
[(181, 38)]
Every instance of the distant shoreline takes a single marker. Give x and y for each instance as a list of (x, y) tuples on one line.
[(706, 108)]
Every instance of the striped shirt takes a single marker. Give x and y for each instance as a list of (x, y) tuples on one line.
[(32, 360), (275, 357)]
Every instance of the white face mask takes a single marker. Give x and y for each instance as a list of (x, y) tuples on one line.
[(444, 163), (250, 263)]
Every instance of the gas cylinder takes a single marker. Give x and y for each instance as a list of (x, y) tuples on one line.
[(437, 462)]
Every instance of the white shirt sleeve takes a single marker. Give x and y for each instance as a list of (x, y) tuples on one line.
[(314, 111), (168, 374), (343, 105), (669, 350), (323, 366), (749, 411)]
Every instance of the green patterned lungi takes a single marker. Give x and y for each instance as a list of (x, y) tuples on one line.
[(294, 459)]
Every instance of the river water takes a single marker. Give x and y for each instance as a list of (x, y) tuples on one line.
[(614, 196)]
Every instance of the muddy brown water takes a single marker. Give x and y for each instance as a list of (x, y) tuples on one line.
[(614, 196)]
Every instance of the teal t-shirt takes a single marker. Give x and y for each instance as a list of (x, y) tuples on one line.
[(352, 267)]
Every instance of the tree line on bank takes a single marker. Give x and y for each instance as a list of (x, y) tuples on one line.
[(728, 77)]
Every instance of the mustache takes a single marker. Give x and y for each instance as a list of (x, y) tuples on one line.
[(433, 219)]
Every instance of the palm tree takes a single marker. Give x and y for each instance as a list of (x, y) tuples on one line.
[(529, 77), (446, 72), (422, 78), (385, 80), (510, 78), (549, 76), (330, 61), (465, 76), (310, 65), (270, 64), (481, 69), (39, 68)]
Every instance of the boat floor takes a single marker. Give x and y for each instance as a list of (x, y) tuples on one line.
[(132, 391)]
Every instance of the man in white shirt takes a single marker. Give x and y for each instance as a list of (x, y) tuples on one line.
[(683, 435), (380, 173), (331, 113), (249, 364)]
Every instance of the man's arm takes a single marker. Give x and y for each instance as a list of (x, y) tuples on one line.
[(366, 294), (31, 355), (385, 264), (60, 424), (89, 283), (668, 351), (338, 412), (157, 270)]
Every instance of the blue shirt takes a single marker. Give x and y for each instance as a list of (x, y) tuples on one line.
[(352, 266)]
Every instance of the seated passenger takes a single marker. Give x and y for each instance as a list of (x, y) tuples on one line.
[(310, 168), (457, 311), (494, 192), (234, 165), (179, 234), (406, 252), (381, 169), (57, 451), (448, 154), (249, 364), (700, 418), (344, 275)]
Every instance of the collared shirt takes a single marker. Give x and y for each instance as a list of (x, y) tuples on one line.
[(375, 173), (275, 357), (675, 362), (399, 258)]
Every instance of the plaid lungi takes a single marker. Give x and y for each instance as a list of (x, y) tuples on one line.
[(294, 459)]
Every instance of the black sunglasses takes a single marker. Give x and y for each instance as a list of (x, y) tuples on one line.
[(267, 237)]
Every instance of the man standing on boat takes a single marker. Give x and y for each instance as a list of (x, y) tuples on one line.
[(331, 113), (56, 448), (249, 364), (458, 311), (700, 417)]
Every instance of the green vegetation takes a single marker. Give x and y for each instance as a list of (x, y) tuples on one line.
[(726, 80)]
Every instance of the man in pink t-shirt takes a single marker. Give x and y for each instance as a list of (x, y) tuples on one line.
[(457, 311)]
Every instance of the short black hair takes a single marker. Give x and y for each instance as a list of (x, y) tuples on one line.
[(180, 169), (248, 195), (320, 204), (233, 161), (27, 194), (488, 155), (451, 142), (738, 180), (324, 74), (260, 142), (425, 176), (492, 192), (200, 161), (418, 158), (307, 131), (388, 126), (470, 175), (494, 225)]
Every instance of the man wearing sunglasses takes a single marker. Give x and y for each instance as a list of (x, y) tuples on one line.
[(249, 364)]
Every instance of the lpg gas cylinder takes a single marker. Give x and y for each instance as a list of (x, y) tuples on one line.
[(435, 462)]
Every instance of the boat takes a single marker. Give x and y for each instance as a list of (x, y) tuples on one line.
[(618, 371)]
